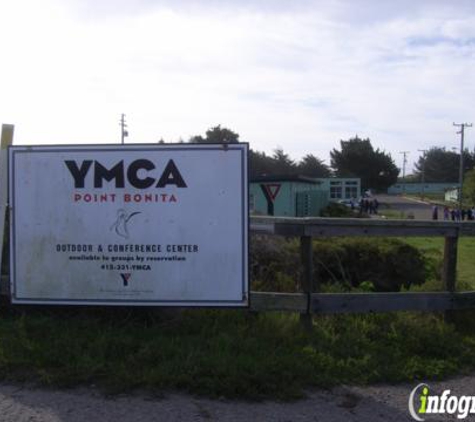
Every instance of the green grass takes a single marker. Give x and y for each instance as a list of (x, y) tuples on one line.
[(466, 263), (433, 247), (227, 353), (386, 211), (234, 353), (392, 214)]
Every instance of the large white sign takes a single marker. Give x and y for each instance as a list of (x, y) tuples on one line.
[(129, 225)]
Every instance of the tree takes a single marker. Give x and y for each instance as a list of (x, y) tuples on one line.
[(282, 164), (260, 164), (469, 187), (216, 135), (442, 166), (409, 178), (312, 166), (358, 158)]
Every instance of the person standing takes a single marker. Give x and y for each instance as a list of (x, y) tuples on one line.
[(435, 212), (446, 213), (452, 214), (469, 214), (375, 205)]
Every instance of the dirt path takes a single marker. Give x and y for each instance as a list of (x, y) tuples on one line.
[(345, 404)]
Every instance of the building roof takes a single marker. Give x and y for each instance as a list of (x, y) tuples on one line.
[(282, 178)]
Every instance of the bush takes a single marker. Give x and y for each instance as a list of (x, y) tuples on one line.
[(335, 210), (226, 353), (274, 264), (375, 263), (388, 264)]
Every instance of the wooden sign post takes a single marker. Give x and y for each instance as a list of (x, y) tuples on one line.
[(6, 141)]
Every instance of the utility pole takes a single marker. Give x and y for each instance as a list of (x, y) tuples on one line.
[(462, 133), (423, 170), (123, 130), (404, 161)]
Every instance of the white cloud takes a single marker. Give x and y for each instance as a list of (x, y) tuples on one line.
[(301, 75)]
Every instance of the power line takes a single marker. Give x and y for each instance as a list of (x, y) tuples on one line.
[(423, 170), (462, 127), (123, 130), (404, 161)]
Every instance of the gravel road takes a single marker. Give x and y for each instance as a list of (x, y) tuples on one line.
[(369, 404)]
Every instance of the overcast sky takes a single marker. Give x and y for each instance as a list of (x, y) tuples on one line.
[(300, 75)]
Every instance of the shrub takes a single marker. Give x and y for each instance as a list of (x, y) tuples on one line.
[(337, 210), (384, 264), (388, 264), (274, 264)]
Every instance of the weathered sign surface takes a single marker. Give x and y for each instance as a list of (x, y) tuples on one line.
[(129, 225)]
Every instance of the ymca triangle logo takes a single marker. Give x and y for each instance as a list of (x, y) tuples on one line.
[(272, 190), (125, 278)]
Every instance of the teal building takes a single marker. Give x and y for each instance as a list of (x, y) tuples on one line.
[(341, 188), (420, 188), (291, 196)]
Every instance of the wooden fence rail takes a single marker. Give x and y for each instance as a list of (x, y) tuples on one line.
[(338, 303), (312, 302)]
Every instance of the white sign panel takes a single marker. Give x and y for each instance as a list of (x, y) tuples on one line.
[(129, 225)]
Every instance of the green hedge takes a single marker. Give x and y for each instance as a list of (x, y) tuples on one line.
[(378, 264)]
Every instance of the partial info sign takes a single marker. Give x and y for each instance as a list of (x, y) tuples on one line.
[(161, 225)]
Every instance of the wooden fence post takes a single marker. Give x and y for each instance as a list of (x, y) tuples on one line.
[(306, 256), (450, 271), (450, 263)]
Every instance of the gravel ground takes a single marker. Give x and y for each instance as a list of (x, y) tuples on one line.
[(376, 403)]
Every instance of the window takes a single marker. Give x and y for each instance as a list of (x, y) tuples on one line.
[(335, 192), (351, 191)]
